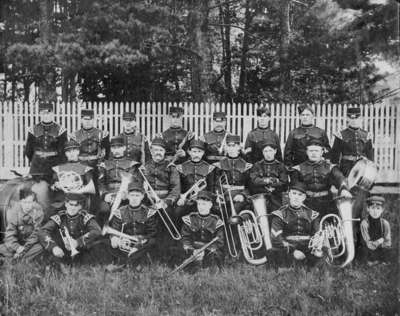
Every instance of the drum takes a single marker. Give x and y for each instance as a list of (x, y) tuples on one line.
[(363, 174)]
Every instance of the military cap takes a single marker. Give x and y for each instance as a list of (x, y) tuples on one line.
[(87, 113), (74, 197), (117, 141), (353, 112), (196, 143), (315, 142), (135, 186), (219, 116), (302, 107), (158, 141), (128, 116), (263, 111), (71, 144), (233, 139), (269, 143), (298, 186), (45, 106), (175, 111), (376, 199), (205, 195)]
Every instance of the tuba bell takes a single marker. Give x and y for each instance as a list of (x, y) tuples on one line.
[(363, 174)]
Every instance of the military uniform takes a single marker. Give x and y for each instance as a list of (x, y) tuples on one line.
[(213, 142), (22, 230), (45, 148), (176, 138), (269, 177), (137, 146)]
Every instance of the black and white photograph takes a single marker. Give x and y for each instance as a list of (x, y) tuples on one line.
[(199, 157)]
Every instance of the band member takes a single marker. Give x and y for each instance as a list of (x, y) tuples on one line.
[(176, 138), (375, 231), (23, 223), (296, 143), (135, 221), (318, 176), (200, 228), (216, 139), (269, 176), (71, 233), (137, 145), (237, 172), (263, 133), (162, 176), (351, 143), (292, 227), (72, 176), (191, 172), (45, 144)]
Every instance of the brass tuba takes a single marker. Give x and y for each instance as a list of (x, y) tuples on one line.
[(363, 174), (335, 235)]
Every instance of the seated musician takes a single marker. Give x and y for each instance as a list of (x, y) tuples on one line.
[(191, 172), (135, 221), (269, 176), (200, 228), (292, 227), (23, 222), (70, 235), (375, 231)]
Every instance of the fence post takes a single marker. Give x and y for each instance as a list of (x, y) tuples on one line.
[(397, 136), (9, 141)]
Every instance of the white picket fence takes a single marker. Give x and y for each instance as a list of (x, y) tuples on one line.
[(383, 120)]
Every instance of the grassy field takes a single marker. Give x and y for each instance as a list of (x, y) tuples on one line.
[(238, 290)]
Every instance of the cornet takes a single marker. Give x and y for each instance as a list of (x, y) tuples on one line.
[(162, 212), (67, 239)]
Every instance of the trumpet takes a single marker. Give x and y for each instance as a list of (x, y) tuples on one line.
[(162, 212), (194, 190), (127, 243), (67, 240), (335, 234)]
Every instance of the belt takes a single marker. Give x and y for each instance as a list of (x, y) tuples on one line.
[(215, 157), (44, 154), (233, 187), (317, 194), (350, 157), (86, 158), (161, 193), (297, 238)]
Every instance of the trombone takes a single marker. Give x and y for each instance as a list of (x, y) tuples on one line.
[(162, 212)]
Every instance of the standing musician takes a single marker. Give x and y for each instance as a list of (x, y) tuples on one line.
[(351, 143), (176, 138), (216, 139), (70, 234), (137, 145), (201, 227), (318, 176), (296, 143), (45, 144), (23, 223), (269, 175), (292, 227), (256, 137), (191, 172)]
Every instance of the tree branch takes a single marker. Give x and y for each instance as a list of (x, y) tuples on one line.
[(224, 3)]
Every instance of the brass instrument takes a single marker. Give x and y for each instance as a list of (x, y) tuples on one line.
[(127, 243), (188, 136), (194, 190), (223, 144), (335, 235), (363, 174), (126, 179), (162, 212), (70, 181), (67, 239)]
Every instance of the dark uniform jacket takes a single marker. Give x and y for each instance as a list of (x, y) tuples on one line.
[(213, 142), (190, 172), (198, 230), (176, 138), (92, 142), (296, 143), (22, 228), (349, 146), (255, 140), (82, 227), (164, 179), (136, 221), (295, 226), (110, 177), (137, 146), (45, 147)]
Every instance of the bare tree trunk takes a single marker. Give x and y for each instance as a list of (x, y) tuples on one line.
[(285, 83), (225, 17), (201, 61)]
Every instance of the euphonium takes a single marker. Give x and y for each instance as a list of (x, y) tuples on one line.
[(127, 242)]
